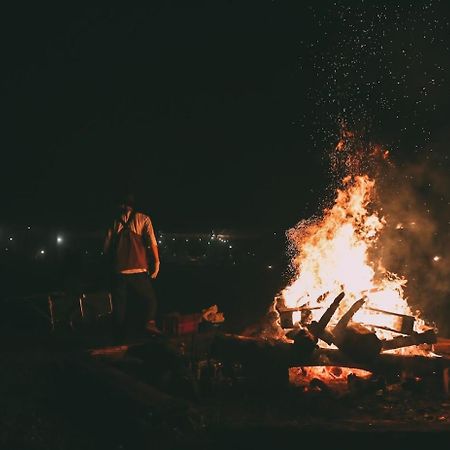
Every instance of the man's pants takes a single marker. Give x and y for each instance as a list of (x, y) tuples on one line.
[(134, 304)]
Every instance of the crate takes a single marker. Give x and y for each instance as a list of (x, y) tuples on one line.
[(176, 324)]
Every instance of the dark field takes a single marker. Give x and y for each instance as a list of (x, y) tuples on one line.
[(50, 402)]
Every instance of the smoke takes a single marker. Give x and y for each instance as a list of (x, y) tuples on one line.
[(415, 240), (413, 201)]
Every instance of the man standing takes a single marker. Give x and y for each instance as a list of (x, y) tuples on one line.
[(132, 249)]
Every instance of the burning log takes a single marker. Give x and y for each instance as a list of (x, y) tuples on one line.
[(317, 328), (345, 319), (427, 337), (356, 340), (267, 362), (403, 324)]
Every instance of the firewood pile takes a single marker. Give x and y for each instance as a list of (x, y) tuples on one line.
[(354, 339), (267, 358), (346, 344)]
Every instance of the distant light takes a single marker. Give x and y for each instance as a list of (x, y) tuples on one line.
[(29, 228), (399, 226), (230, 246), (173, 239), (436, 258), (187, 240), (269, 267), (10, 238), (59, 239), (42, 252), (6, 249), (159, 242)]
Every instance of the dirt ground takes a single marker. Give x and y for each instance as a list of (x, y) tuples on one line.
[(44, 405)]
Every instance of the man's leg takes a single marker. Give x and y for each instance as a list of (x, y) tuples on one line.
[(146, 299), (119, 307)]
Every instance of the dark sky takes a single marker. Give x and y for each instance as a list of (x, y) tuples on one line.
[(216, 113)]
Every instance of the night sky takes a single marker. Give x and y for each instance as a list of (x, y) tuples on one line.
[(218, 114)]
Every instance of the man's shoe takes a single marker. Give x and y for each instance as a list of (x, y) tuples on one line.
[(152, 329)]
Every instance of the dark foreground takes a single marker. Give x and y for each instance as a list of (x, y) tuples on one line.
[(53, 398)]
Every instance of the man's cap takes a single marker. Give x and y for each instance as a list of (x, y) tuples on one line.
[(127, 200)]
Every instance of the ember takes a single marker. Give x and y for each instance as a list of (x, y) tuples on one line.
[(338, 377)]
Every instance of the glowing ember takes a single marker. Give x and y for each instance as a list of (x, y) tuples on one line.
[(302, 376)]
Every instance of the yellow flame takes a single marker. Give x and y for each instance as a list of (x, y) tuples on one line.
[(332, 255)]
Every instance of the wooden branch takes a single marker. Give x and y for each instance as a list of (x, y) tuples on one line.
[(427, 337)]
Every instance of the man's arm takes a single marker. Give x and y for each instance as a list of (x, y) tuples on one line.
[(107, 241), (153, 246)]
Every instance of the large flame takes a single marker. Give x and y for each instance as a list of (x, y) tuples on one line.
[(333, 254)]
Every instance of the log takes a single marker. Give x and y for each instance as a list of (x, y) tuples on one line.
[(328, 314), (304, 341), (383, 364), (355, 339), (264, 363), (261, 352), (345, 319), (317, 328), (404, 324), (358, 342), (327, 335), (427, 337), (266, 355)]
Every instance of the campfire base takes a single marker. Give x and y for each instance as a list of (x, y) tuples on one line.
[(260, 356)]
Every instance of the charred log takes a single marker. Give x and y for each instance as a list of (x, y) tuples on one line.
[(304, 341), (358, 342), (256, 351), (264, 363), (317, 328), (427, 337), (272, 359)]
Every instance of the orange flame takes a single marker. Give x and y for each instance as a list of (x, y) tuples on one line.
[(332, 255)]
